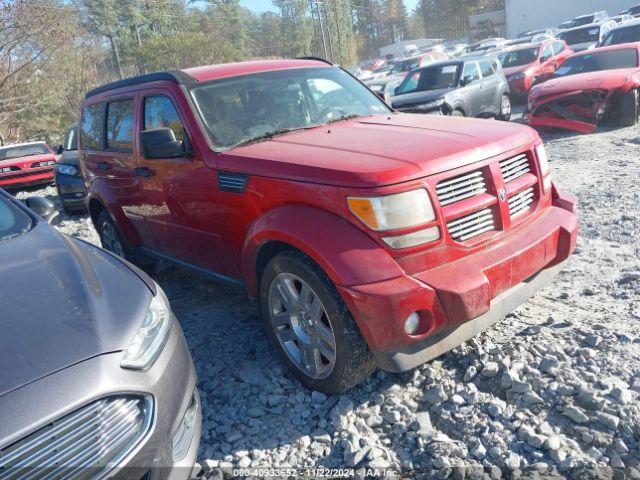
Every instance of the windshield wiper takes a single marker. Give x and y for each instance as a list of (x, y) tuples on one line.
[(344, 117), (269, 135)]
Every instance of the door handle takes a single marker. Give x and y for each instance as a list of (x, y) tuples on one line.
[(144, 172), (103, 166)]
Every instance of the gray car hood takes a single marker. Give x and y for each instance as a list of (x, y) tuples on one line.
[(416, 98), (62, 302)]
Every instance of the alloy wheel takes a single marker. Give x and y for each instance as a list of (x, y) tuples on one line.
[(111, 240), (505, 106), (302, 326)]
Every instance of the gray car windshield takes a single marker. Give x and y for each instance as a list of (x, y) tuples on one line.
[(519, 58), (432, 78), (11, 152), (250, 108), (622, 35), (593, 62), (13, 221)]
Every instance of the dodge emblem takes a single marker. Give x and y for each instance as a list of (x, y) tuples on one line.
[(502, 194)]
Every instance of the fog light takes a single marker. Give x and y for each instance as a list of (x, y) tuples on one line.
[(412, 323), (183, 436), (413, 239)]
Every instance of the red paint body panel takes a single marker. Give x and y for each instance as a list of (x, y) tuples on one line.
[(296, 191), (609, 82), (24, 174)]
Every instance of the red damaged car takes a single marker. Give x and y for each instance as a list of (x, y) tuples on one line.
[(367, 237), (591, 87), (527, 65), (26, 164)]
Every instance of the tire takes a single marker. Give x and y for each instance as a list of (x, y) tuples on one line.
[(628, 109), (292, 332), (505, 108), (110, 236), (457, 113)]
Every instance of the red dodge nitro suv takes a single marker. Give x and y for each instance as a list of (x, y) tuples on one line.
[(369, 237)]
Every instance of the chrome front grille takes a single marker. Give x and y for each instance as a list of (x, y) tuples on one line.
[(471, 225), (458, 188), (514, 167), (521, 202), (81, 445)]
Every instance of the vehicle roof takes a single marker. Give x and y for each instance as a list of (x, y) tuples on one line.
[(590, 14), (589, 25), (23, 144), (205, 73), (628, 23), (621, 46), (528, 46)]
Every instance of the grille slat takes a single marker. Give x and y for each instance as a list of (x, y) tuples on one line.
[(461, 187), (521, 202), (514, 167), (471, 225), (96, 435)]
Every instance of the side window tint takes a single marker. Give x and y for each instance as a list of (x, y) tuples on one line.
[(71, 142), (547, 52), (91, 127), (471, 70), (488, 69), (120, 125), (159, 112), (557, 47)]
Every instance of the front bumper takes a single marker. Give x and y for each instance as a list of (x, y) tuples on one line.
[(71, 191), (170, 381), (460, 299), (27, 178)]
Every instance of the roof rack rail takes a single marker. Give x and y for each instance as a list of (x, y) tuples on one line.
[(319, 59), (176, 76)]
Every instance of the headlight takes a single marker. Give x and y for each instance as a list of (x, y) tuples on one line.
[(432, 104), (391, 212), (516, 76), (545, 169), (66, 169), (151, 336)]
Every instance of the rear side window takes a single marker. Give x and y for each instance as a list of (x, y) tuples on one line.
[(557, 47), (91, 127), (120, 125), (471, 71), (159, 112), (487, 68)]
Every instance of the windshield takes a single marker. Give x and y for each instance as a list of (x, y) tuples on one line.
[(593, 62), (518, 58), (11, 152), (582, 35), (578, 22), (432, 78), (622, 35), (240, 110), (13, 221)]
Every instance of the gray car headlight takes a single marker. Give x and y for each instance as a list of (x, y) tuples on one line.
[(148, 341), (66, 169), (431, 105)]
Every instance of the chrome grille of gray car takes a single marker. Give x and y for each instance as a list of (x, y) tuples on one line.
[(514, 167), (458, 188), (81, 445), (471, 225), (521, 202)]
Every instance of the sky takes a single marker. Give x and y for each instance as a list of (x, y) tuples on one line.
[(260, 6)]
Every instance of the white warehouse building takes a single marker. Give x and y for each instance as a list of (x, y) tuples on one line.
[(523, 15)]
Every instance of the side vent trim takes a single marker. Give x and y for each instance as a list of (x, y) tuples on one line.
[(232, 182)]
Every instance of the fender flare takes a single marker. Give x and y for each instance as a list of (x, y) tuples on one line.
[(346, 254), (101, 193), (458, 105)]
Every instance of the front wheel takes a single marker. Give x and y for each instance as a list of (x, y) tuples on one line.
[(311, 326), (505, 108), (628, 108)]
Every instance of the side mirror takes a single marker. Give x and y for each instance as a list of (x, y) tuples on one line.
[(396, 90), (161, 143), (43, 207), (59, 150)]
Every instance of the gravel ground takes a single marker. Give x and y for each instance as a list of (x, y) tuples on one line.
[(550, 390)]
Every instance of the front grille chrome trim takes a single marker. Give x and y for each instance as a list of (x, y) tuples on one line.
[(471, 225), (461, 187), (514, 167), (521, 202)]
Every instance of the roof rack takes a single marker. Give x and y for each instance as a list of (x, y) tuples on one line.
[(176, 76), (318, 59)]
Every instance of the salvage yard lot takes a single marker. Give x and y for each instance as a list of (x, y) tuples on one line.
[(552, 386)]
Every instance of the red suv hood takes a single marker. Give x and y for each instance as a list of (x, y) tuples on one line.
[(604, 80), (377, 150)]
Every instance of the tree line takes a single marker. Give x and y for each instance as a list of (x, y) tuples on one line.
[(53, 51)]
